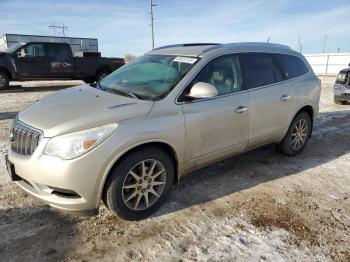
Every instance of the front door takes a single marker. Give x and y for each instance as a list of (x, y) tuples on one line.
[(31, 61), (219, 126)]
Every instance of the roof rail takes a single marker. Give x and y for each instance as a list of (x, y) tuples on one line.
[(182, 45), (261, 44)]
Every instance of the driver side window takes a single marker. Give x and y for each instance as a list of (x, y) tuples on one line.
[(35, 50), (223, 73)]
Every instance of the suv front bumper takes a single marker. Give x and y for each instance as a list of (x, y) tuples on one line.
[(71, 185), (341, 93)]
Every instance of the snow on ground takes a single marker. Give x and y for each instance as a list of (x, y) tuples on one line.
[(259, 206)]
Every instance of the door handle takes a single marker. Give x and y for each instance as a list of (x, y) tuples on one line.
[(241, 109), (285, 98)]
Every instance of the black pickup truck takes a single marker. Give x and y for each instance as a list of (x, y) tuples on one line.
[(49, 61)]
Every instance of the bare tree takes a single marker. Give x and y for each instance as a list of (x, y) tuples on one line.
[(129, 57)]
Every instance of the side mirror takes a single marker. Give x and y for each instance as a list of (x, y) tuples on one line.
[(202, 90), (349, 64)]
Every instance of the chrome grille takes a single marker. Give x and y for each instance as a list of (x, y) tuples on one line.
[(24, 139)]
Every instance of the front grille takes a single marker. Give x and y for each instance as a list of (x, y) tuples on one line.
[(24, 139)]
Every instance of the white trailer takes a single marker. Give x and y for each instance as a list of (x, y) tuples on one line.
[(77, 44)]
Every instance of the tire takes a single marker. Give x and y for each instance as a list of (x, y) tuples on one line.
[(120, 185), (289, 146), (89, 80), (101, 75), (4, 80)]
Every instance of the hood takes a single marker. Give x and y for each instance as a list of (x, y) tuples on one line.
[(79, 108)]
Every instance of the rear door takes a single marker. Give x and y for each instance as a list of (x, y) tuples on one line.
[(60, 60), (31, 61), (271, 97), (218, 126)]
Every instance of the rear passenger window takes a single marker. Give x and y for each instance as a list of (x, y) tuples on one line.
[(58, 52), (292, 66), (259, 70)]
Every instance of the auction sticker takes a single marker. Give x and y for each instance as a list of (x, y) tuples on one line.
[(184, 59)]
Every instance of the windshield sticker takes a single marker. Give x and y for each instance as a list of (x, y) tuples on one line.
[(183, 59)]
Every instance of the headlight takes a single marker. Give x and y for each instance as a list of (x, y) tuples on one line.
[(75, 144), (341, 77)]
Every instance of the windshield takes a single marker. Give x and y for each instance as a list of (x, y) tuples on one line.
[(13, 47), (148, 77)]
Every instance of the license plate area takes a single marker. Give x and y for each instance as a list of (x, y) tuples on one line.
[(11, 170)]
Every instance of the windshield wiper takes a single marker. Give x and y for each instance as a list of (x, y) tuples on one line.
[(121, 92)]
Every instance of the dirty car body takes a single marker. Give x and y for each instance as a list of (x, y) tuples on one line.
[(173, 110)]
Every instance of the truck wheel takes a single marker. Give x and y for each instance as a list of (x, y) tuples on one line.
[(139, 184), (89, 80), (101, 74), (297, 136), (4, 80)]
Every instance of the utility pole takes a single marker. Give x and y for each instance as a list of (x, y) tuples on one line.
[(58, 29), (299, 44), (324, 43), (152, 19)]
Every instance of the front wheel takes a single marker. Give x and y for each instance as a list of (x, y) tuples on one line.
[(139, 184), (297, 136), (4, 80)]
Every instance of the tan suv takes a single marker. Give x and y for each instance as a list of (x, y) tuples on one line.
[(127, 139)]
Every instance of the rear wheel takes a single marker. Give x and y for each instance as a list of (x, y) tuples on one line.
[(4, 80), (139, 184), (101, 75), (297, 136), (89, 80)]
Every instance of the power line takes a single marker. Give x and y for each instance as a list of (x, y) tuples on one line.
[(58, 29)]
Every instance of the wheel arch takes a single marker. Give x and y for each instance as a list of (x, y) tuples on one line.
[(159, 144), (103, 68), (310, 111), (7, 72)]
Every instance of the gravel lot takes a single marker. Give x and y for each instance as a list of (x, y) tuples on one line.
[(260, 206)]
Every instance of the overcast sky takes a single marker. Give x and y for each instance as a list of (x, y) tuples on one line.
[(122, 26)]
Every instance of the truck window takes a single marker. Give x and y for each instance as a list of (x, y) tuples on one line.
[(58, 52), (34, 50)]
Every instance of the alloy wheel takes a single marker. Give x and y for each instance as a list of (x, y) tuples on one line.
[(300, 133), (144, 184)]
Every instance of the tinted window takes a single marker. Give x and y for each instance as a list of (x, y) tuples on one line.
[(292, 66), (34, 50), (58, 52), (259, 70), (223, 73)]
